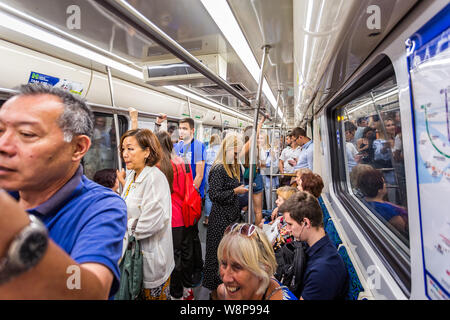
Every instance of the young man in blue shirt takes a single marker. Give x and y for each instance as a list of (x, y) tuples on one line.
[(193, 152), (305, 158), (44, 134), (325, 276)]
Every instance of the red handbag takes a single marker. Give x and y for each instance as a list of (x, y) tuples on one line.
[(192, 202)]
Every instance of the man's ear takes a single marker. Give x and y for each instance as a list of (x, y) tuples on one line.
[(81, 145), (307, 222)]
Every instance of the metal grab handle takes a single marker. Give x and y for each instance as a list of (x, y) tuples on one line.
[(253, 138)]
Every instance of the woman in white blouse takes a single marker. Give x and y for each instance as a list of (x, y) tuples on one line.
[(147, 195)]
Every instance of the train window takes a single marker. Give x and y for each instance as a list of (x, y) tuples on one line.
[(373, 152), (172, 128), (146, 123), (103, 151)]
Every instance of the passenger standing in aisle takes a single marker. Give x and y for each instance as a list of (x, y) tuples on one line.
[(305, 158), (147, 195), (44, 134), (266, 156), (288, 159), (211, 153), (224, 188), (194, 153), (179, 280), (258, 185)]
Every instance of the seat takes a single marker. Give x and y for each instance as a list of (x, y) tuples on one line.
[(355, 286), (330, 229), (326, 215)]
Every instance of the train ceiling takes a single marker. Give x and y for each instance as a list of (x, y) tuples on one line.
[(302, 70)]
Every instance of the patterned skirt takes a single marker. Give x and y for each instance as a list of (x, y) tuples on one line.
[(159, 293)]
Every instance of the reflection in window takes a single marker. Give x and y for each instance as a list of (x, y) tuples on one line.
[(374, 156), (103, 151), (172, 129)]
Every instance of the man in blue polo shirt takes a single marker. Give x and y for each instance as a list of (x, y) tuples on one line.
[(325, 276), (193, 152), (44, 133)]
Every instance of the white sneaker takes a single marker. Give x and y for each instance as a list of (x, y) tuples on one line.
[(188, 294)]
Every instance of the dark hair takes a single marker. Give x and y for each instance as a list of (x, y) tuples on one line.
[(312, 183), (165, 142), (165, 164), (76, 119), (146, 139), (348, 126), (106, 177), (289, 134), (366, 130), (172, 128), (369, 182), (303, 205), (297, 132), (361, 119), (190, 121)]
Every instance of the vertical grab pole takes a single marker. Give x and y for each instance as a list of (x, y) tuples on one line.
[(253, 137), (116, 120), (189, 107), (270, 154), (221, 121)]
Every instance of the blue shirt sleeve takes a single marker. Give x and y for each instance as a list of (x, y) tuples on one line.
[(101, 238), (310, 156), (199, 151)]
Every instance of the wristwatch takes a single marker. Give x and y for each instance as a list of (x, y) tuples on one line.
[(25, 251)]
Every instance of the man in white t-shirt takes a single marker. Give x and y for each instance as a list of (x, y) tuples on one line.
[(288, 160), (352, 153)]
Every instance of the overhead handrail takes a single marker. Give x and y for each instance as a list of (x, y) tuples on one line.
[(127, 13)]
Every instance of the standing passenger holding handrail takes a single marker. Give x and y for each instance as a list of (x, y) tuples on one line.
[(258, 185), (147, 195), (224, 188)]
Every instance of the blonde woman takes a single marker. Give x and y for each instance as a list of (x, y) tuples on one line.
[(247, 265), (224, 186)]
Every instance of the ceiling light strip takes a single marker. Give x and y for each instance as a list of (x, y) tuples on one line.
[(221, 13), (208, 102)]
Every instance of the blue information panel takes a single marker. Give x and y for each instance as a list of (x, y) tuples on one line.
[(428, 55), (73, 87)]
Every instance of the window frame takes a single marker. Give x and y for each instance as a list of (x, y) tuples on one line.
[(397, 262), (123, 127)]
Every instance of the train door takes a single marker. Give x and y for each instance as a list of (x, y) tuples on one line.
[(103, 151)]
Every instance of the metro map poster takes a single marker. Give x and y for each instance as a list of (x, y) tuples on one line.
[(428, 54)]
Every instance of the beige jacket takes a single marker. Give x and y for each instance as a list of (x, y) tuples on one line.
[(150, 209)]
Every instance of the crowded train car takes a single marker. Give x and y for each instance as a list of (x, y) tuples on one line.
[(225, 150)]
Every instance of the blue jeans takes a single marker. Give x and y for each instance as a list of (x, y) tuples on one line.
[(258, 185), (275, 185)]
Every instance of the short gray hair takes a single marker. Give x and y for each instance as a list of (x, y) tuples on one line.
[(77, 118)]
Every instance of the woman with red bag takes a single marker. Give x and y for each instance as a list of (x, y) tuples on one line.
[(179, 282)]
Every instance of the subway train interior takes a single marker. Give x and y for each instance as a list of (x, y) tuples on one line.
[(379, 66)]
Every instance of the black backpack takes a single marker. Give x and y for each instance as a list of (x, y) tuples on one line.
[(291, 260)]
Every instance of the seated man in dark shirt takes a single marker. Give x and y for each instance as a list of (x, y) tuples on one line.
[(325, 276)]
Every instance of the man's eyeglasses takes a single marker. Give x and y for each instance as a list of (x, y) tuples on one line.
[(245, 229)]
